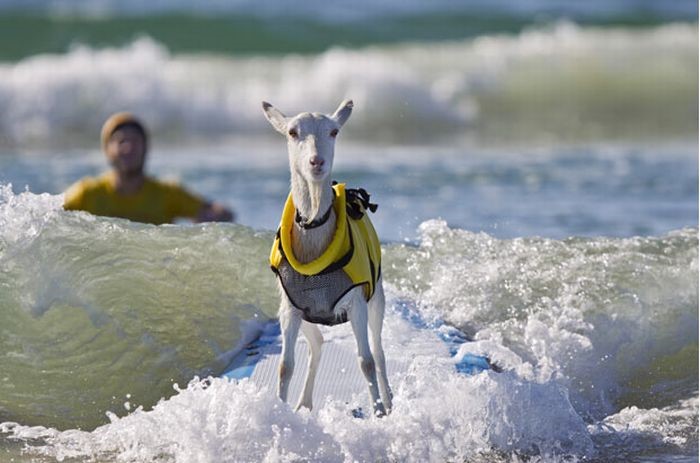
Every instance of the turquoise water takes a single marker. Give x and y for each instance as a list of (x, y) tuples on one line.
[(536, 170)]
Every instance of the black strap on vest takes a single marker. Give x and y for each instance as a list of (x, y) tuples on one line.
[(301, 221), (356, 202)]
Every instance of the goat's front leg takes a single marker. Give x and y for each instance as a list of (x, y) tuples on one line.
[(314, 341), (289, 324), (376, 320), (358, 320)]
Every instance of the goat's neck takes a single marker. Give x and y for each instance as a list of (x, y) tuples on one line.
[(312, 200)]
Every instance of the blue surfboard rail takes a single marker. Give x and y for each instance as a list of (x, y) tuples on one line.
[(472, 364), (469, 364), (246, 360)]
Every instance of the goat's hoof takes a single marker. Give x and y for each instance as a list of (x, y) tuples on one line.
[(379, 410), (300, 406)]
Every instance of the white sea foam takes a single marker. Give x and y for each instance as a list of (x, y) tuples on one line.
[(562, 309), (438, 415), (24, 215), (567, 76), (673, 429)]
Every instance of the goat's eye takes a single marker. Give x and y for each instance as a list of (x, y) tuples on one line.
[(334, 133), (293, 133)]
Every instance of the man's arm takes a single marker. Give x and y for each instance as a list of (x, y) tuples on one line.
[(182, 203), (74, 197)]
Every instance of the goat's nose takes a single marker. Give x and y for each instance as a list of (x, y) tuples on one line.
[(316, 161)]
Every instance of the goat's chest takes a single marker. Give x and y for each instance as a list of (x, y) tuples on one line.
[(316, 295)]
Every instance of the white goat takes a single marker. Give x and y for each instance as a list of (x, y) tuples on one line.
[(310, 145)]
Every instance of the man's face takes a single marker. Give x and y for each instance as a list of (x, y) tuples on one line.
[(126, 150)]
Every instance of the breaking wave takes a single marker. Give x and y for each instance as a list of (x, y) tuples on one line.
[(99, 318), (561, 82)]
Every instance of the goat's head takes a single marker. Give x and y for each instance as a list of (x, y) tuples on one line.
[(310, 139)]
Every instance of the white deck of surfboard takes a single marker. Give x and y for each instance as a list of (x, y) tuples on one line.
[(339, 377)]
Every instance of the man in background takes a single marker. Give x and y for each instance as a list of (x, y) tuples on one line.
[(127, 192)]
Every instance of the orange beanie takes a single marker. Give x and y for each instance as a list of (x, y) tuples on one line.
[(117, 120)]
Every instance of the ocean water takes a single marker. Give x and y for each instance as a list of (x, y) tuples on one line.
[(536, 170), (559, 82)]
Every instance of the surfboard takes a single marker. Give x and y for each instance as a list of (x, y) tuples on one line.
[(338, 375)]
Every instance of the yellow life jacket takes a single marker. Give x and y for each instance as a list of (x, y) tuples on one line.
[(354, 248)]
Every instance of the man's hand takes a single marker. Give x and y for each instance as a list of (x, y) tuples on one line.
[(214, 212)]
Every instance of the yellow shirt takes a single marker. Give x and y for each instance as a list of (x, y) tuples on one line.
[(156, 203)]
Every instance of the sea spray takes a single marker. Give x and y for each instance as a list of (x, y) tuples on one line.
[(218, 420), (593, 313)]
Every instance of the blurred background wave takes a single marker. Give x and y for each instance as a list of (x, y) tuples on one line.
[(535, 71)]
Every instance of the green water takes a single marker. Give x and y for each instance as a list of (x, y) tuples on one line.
[(91, 317)]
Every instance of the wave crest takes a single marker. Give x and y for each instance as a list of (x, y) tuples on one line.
[(562, 82)]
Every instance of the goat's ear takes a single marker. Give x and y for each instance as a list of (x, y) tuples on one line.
[(275, 117), (343, 112)]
